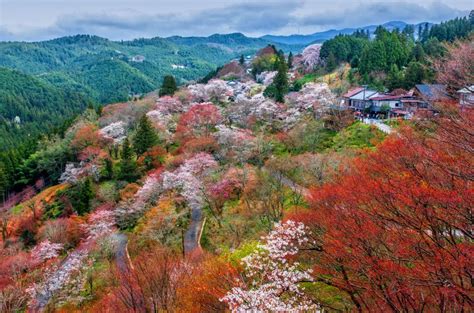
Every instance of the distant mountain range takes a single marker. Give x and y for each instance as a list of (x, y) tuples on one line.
[(329, 34)]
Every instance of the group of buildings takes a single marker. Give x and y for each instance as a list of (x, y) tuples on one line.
[(400, 103)]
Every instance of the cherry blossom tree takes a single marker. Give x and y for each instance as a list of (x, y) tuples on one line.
[(46, 250), (188, 178), (235, 144), (115, 131), (266, 78), (311, 57), (271, 278), (101, 222)]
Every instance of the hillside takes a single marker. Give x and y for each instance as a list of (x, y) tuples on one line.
[(30, 106), (111, 71)]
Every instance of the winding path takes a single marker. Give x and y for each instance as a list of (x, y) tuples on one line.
[(192, 235)]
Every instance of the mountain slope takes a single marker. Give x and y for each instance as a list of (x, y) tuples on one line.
[(109, 71), (30, 106)]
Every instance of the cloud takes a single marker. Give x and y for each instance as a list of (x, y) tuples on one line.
[(252, 18), (380, 12)]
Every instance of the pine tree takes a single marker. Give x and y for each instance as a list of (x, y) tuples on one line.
[(145, 137), (127, 165), (281, 81), (418, 53), (242, 59), (85, 196), (108, 172), (331, 62), (290, 60), (168, 88)]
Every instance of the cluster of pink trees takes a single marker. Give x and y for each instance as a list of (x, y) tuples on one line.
[(215, 90), (235, 144), (188, 178), (272, 278), (311, 57), (46, 250)]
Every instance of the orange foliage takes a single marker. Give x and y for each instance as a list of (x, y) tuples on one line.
[(129, 191), (153, 158), (86, 136), (209, 281), (201, 144)]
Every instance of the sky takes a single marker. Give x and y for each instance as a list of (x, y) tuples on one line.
[(32, 20)]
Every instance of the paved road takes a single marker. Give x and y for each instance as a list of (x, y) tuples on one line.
[(191, 237), (121, 254)]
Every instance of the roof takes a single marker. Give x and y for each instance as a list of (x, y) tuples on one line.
[(365, 95), (353, 92), (412, 101), (385, 97), (467, 89), (432, 91)]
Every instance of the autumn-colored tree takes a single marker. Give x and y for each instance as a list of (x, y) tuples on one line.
[(456, 70), (209, 281), (201, 144), (153, 158), (85, 136), (150, 286), (396, 232), (198, 121)]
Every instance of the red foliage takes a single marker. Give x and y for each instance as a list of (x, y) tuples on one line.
[(396, 232), (207, 283), (201, 144), (86, 136), (153, 158), (198, 121)]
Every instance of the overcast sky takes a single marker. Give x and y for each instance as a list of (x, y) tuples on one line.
[(127, 19)]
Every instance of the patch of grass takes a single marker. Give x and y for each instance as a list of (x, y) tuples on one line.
[(357, 136)]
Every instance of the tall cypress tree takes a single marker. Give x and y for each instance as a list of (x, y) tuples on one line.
[(242, 59), (145, 137), (281, 81), (169, 87), (127, 165), (290, 60)]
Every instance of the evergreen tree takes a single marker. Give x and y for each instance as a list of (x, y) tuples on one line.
[(418, 53), (108, 172), (168, 88), (242, 59), (395, 78), (145, 137), (281, 81), (85, 196), (290, 60), (415, 73), (127, 165), (331, 62)]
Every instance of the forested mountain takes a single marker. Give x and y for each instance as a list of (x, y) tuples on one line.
[(110, 71), (30, 106)]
